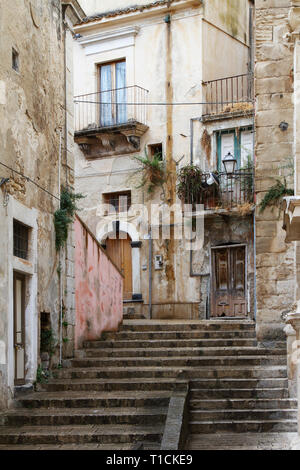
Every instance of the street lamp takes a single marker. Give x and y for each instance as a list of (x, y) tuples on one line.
[(229, 163)]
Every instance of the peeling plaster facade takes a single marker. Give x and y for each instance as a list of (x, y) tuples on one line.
[(170, 57), (34, 37)]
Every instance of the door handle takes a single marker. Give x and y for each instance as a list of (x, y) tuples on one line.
[(223, 304), (19, 347)]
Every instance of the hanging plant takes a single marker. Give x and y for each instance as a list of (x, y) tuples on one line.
[(275, 194), (153, 171), (64, 216), (189, 187)]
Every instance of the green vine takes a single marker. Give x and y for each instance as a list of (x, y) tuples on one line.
[(274, 195), (42, 376), (153, 171), (48, 342), (64, 216)]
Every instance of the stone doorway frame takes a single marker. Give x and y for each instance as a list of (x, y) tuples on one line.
[(136, 244)]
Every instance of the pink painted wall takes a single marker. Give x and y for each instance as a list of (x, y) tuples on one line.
[(99, 288)]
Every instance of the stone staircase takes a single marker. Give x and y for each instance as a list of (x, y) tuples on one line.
[(117, 391)]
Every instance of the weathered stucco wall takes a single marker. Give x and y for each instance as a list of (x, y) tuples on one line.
[(170, 60), (99, 288), (32, 113), (231, 16), (274, 149), (92, 7)]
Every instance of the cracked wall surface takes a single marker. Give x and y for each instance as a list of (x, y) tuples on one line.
[(32, 114)]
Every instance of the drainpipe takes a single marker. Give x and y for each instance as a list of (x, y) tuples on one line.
[(254, 223), (60, 275), (192, 120), (65, 26), (192, 274), (251, 70), (150, 272)]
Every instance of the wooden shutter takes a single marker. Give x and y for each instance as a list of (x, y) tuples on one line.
[(246, 147)]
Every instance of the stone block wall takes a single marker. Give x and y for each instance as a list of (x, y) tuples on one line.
[(274, 151)]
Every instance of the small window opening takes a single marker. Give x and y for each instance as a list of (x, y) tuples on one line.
[(156, 150), (15, 60), (21, 237), (119, 202)]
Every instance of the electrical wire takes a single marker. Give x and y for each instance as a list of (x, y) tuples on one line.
[(162, 104), (29, 180), (120, 104)]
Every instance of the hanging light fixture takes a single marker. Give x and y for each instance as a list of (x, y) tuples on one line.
[(229, 163)]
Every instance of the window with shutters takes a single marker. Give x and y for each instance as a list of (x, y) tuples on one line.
[(239, 142)]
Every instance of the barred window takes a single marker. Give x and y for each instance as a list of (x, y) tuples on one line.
[(21, 237)]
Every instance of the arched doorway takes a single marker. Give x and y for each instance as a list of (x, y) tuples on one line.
[(132, 247), (120, 251)]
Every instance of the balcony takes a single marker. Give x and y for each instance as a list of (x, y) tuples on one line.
[(111, 122), (230, 193), (229, 96)]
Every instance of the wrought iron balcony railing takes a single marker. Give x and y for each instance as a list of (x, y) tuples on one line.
[(229, 94), (229, 191), (111, 108)]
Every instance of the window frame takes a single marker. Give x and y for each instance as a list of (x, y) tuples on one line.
[(107, 197), (113, 91), (237, 144), (151, 150), (25, 250)]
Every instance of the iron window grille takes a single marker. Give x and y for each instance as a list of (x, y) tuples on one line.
[(21, 238)]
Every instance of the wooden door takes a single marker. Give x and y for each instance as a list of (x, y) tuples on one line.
[(120, 252), (228, 296), (19, 328)]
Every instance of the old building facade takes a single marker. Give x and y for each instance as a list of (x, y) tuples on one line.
[(184, 122), (36, 108), (142, 74)]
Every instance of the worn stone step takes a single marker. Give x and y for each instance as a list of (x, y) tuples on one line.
[(77, 447), (244, 414), (243, 441), (104, 434), (237, 403), (240, 393), (60, 385), (95, 399), (170, 372), (209, 427), (85, 416), (170, 343), (178, 361), (186, 325), (235, 383), (175, 335), (177, 352)]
